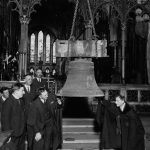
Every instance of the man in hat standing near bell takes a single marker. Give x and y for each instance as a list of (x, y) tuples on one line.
[(121, 127)]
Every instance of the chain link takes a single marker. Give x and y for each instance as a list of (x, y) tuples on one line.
[(73, 24), (94, 31), (91, 16), (74, 19)]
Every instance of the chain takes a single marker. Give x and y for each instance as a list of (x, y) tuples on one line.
[(91, 16), (72, 28), (74, 19), (94, 31)]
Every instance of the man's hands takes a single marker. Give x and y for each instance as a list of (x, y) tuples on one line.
[(38, 136), (59, 101)]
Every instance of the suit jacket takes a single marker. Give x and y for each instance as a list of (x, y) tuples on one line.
[(13, 116), (28, 98), (36, 84), (1, 103), (40, 116), (40, 119)]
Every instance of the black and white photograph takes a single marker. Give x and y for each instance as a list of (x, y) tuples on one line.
[(74, 74)]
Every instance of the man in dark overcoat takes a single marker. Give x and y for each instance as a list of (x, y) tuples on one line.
[(13, 116), (4, 95), (106, 117), (28, 98), (40, 119), (132, 130), (122, 128), (55, 104)]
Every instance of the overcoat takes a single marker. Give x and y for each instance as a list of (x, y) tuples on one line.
[(122, 129), (106, 117), (13, 118), (57, 121), (132, 130), (40, 119)]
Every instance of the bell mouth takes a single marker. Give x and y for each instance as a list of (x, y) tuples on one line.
[(81, 80), (80, 93)]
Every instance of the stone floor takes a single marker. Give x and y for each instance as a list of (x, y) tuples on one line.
[(79, 134)]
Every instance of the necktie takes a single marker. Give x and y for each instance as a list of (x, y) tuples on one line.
[(28, 88), (39, 79)]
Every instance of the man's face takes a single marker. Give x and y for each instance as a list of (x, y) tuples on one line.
[(20, 92), (44, 95), (119, 102), (39, 73), (6, 93), (28, 80)]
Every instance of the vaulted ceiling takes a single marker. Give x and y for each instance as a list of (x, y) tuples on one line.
[(56, 15)]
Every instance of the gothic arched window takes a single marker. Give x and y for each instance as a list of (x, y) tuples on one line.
[(40, 46), (32, 48), (48, 48)]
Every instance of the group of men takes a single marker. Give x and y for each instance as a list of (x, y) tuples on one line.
[(30, 112)]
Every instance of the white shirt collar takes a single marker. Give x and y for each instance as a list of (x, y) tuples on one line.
[(27, 87), (15, 96), (42, 100), (122, 107), (3, 98), (39, 79)]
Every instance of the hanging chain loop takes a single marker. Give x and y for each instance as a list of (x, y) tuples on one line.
[(73, 25), (94, 31), (91, 16), (74, 19)]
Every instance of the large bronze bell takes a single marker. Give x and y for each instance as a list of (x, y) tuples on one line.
[(80, 80)]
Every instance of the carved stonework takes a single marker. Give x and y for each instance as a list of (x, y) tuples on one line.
[(25, 8), (24, 20)]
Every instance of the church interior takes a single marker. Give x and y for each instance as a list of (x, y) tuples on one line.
[(86, 49)]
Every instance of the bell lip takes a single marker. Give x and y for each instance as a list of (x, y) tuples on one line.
[(66, 94)]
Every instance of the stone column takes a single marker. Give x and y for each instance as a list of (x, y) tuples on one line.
[(25, 8), (123, 38), (24, 20)]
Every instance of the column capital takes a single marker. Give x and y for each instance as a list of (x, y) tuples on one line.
[(88, 24), (24, 19), (123, 26)]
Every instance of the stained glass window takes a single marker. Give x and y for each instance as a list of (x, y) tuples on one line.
[(32, 48), (48, 48), (54, 52), (40, 46)]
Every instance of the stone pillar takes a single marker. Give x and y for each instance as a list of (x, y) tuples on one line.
[(123, 38), (24, 20)]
